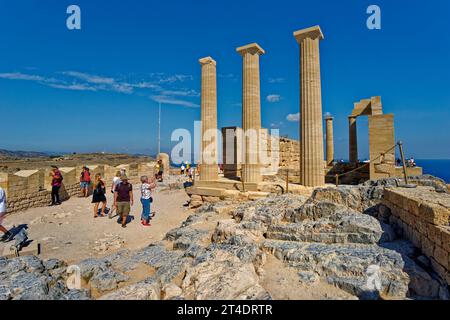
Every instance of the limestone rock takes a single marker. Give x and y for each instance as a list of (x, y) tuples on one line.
[(348, 228), (224, 277), (107, 280), (346, 265), (171, 291), (143, 290)]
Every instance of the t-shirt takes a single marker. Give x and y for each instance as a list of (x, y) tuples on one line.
[(57, 179), (87, 176), (146, 193), (2, 201), (123, 192), (116, 181)]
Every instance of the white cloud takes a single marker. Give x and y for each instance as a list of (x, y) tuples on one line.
[(162, 86), (174, 101), (174, 78), (183, 93), (89, 77), (75, 86), (276, 125), (273, 98), (21, 76), (226, 75), (276, 80), (294, 117)]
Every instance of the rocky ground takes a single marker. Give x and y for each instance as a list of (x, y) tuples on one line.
[(332, 245)]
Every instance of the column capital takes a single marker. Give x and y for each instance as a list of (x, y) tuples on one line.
[(328, 118), (207, 60), (252, 48), (313, 33)]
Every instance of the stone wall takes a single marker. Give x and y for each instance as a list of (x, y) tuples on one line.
[(381, 146), (32, 188), (423, 216)]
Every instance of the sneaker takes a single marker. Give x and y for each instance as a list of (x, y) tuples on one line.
[(6, 237), (124, 226), (146, 224)]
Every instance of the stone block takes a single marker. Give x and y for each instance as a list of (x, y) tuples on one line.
[(441, 256), (421, 226), (434, 214), (440, 269), (412, 206), (427, 246), (444, 233)]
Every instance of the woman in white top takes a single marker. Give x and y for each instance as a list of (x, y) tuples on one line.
[(6, 234), (146, 199), (116, 181)]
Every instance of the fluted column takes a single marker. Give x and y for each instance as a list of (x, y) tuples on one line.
[(312, 171), (251, 111), (329, 139), (209, 169), (353, 140)]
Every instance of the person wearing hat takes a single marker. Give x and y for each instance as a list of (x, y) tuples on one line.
[(123, 199)]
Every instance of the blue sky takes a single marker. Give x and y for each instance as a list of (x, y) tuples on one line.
[(97, 89)]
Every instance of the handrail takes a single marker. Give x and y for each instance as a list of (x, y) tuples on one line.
[(338, 175)]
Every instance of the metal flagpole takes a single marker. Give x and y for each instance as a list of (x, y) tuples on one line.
[(159, 129)]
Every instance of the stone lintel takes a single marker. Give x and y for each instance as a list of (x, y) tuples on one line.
[(207, 60), (252, 48), (312, 32)]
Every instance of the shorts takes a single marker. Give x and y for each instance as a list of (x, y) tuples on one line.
[(123, 208), (84, 185)]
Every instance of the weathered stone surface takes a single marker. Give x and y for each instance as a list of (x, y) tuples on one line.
[(144, 290), (184, 237), (171, 291), (422, 284), (107, 280), (28, 278), (271, 210), (224, 277), (345, 265), (342, 228)]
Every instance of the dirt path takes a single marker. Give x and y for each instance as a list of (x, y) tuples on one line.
[(70, 232)]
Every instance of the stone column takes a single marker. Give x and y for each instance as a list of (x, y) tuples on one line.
[(209, 168), (330, 140), (353, 140), (251, 111), (312, 171)]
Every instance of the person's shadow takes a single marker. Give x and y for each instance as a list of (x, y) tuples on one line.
[(21, 231), (16, 229), (129, 219)]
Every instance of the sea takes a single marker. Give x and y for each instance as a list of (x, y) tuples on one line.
[(438, 167)]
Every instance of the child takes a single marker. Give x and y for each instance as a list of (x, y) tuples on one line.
[(146, 199)]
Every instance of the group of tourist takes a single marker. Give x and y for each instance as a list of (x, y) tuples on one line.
[(187, 169), (123, 197), (120, 187), (410, 163)]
